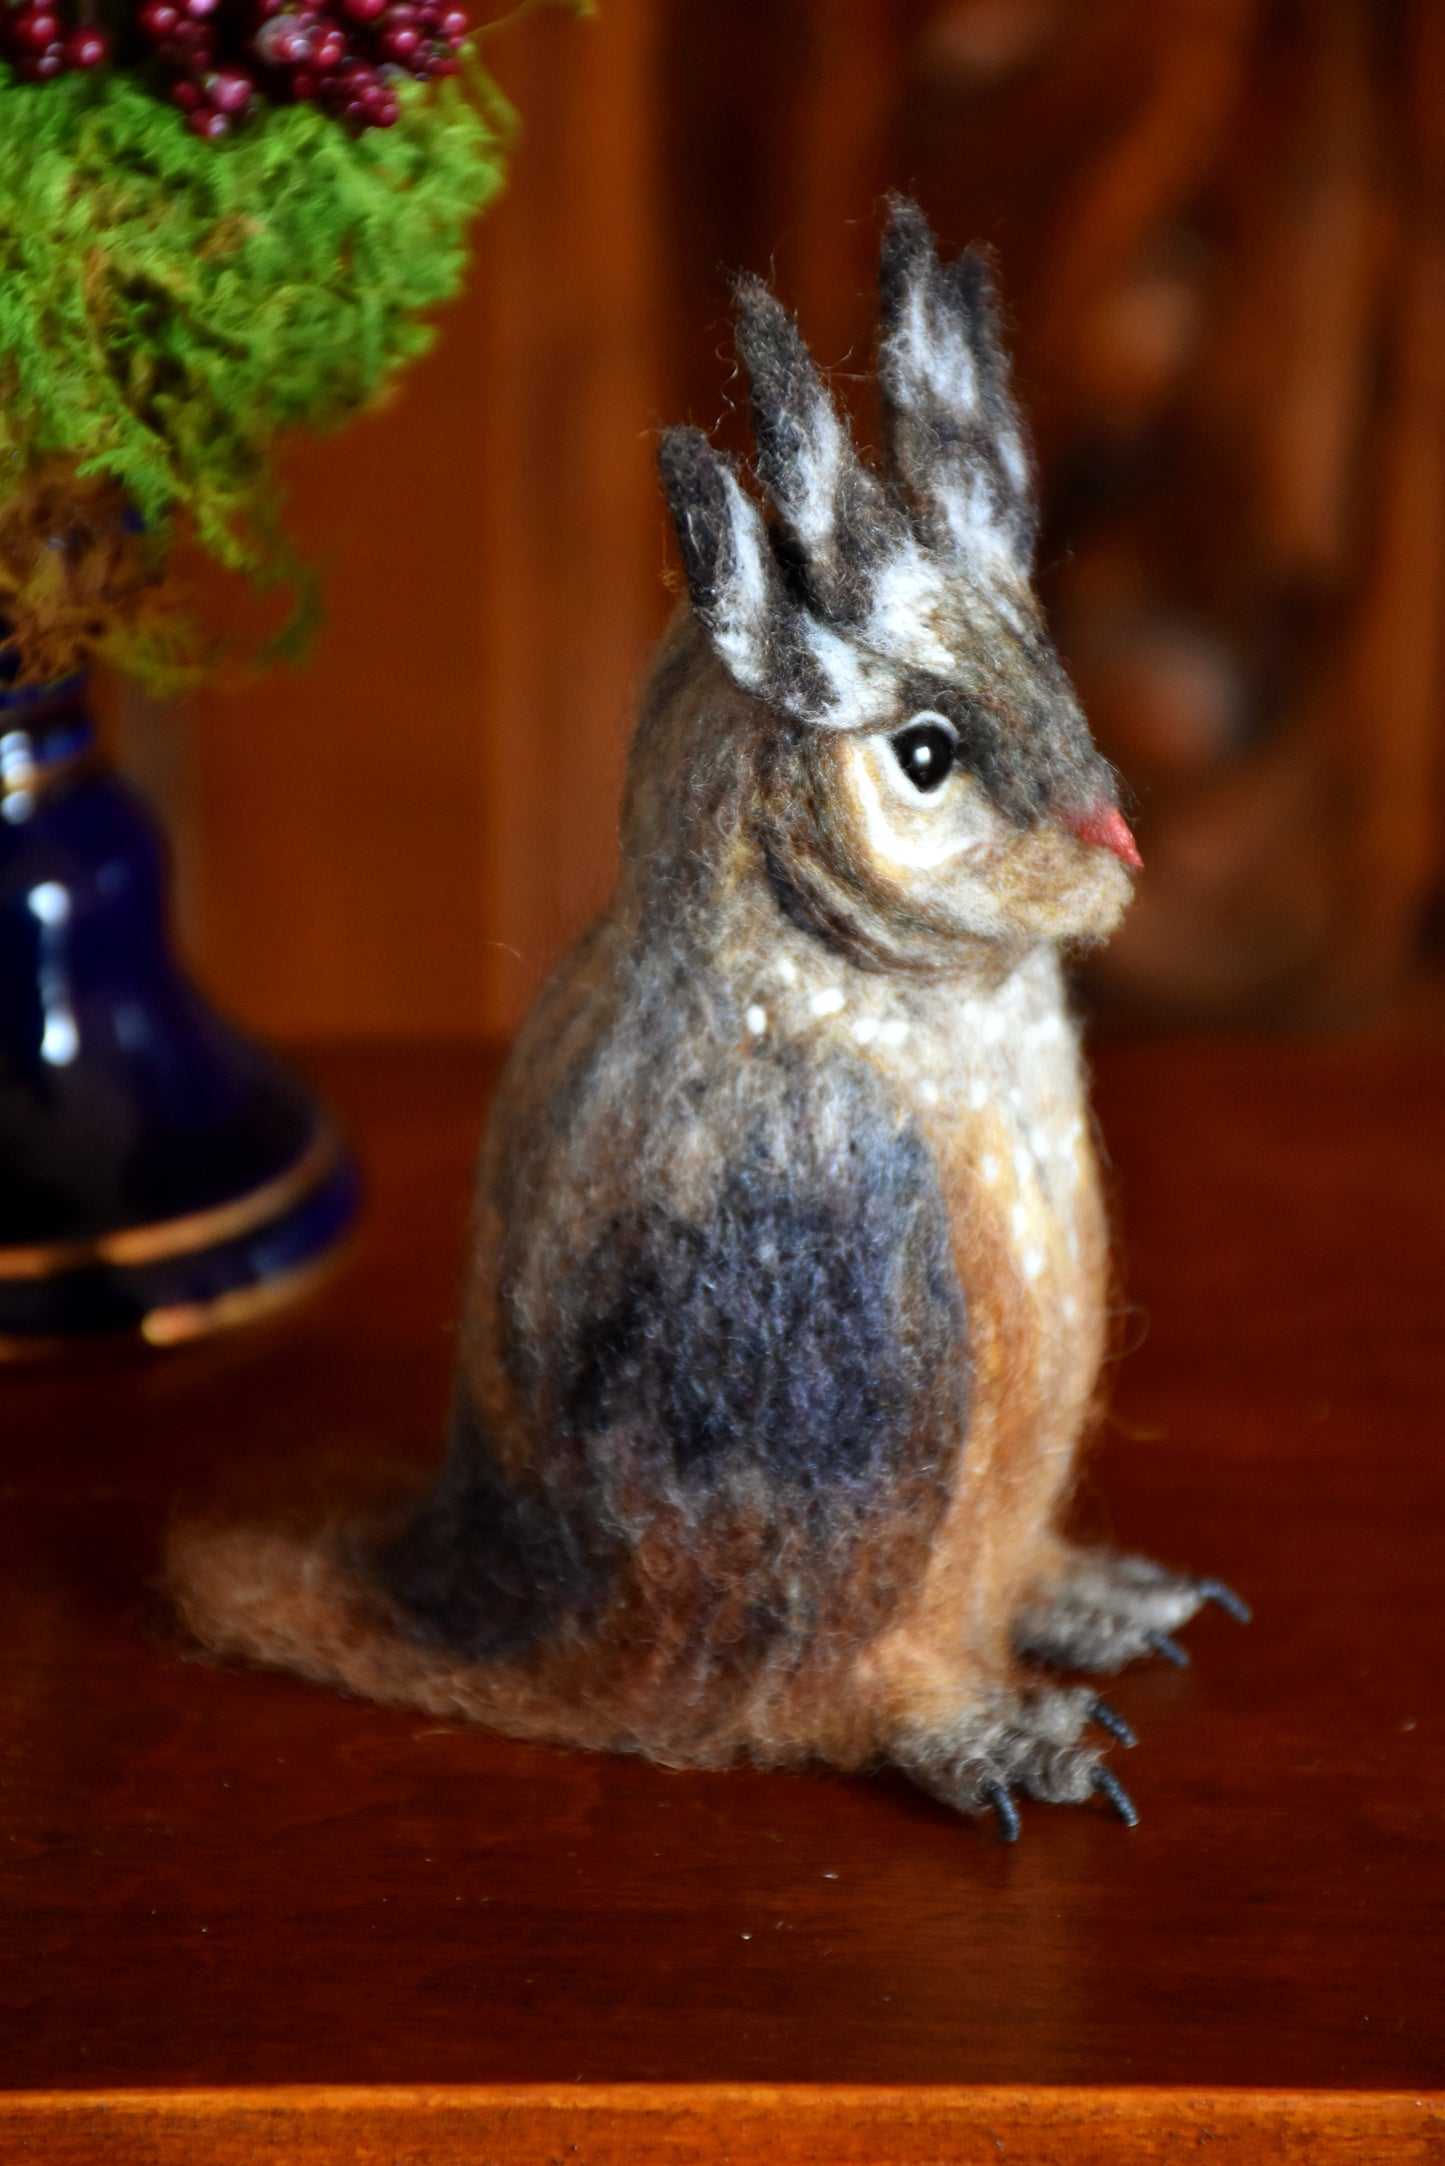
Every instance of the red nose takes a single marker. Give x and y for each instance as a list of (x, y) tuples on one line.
[(1107, 827)]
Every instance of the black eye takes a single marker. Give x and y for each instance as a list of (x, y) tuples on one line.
[(925, 751)]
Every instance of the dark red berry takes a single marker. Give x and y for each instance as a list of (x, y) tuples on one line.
[(33, 29), (229, 90), (402, 44), (186, 95), (158, 19), (207, 123), (454, 26), (50, 63), (281, 42), (86, 48)]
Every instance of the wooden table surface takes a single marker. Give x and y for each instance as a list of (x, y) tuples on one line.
[(219, 1885)]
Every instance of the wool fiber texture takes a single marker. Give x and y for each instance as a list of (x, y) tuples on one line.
[(787, 1302)]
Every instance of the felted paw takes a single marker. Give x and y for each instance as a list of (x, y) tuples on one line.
[(1108, 1610), (1020, 1742)]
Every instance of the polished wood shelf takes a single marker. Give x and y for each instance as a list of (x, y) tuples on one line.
[(223, 1890)]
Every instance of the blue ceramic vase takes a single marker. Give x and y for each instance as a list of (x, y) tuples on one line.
[(160, 1176)]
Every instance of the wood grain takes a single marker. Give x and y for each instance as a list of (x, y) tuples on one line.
[(403, 835), (721, 2125), (218, 1879), (1222, 252)]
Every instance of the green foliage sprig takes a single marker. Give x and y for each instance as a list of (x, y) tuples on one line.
[(169, 308)]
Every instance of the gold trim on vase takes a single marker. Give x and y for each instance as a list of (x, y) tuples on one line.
[(29, 782), (184, 1321), (186, 1235), (242, 1305)]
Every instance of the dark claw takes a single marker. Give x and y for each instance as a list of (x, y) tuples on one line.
[(1214, 1590), (1005, 1811), (1109, 1718), (1109, 1786), (1170, 1649)]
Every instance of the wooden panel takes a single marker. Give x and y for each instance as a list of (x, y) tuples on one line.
[(1220, 231), (402, 835), (723, 2126), (1220, 238), (217, 1878)]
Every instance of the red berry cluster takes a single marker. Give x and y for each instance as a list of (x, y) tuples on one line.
[(39, 44), (224, 56)]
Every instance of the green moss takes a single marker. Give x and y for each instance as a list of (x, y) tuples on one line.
[(169, 308)]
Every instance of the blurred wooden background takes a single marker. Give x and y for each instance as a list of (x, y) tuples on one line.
[(1220, 232)]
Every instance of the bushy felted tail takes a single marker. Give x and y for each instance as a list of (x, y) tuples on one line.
[(292, 1593)]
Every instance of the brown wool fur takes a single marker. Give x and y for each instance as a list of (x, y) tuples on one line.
[(788, 1298)]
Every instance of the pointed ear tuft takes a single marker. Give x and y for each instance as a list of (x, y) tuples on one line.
[(834, 513), (974, 281), (736, 589), (907, 261), (956, 436)]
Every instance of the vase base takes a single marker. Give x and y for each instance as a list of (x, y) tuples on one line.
[(185, 1278)]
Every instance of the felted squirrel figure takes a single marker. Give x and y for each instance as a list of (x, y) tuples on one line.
[(787, 1307)]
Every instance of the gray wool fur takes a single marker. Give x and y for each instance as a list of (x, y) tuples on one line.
[(788, 1296)]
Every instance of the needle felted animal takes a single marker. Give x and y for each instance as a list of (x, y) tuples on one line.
[(788, 1301)]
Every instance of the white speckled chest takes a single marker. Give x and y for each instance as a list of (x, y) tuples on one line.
[(994, 1078)]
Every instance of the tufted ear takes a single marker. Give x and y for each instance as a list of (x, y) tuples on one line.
[(836, 519), (855, 585), (956, 437), (736, 587), (770, 642)]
